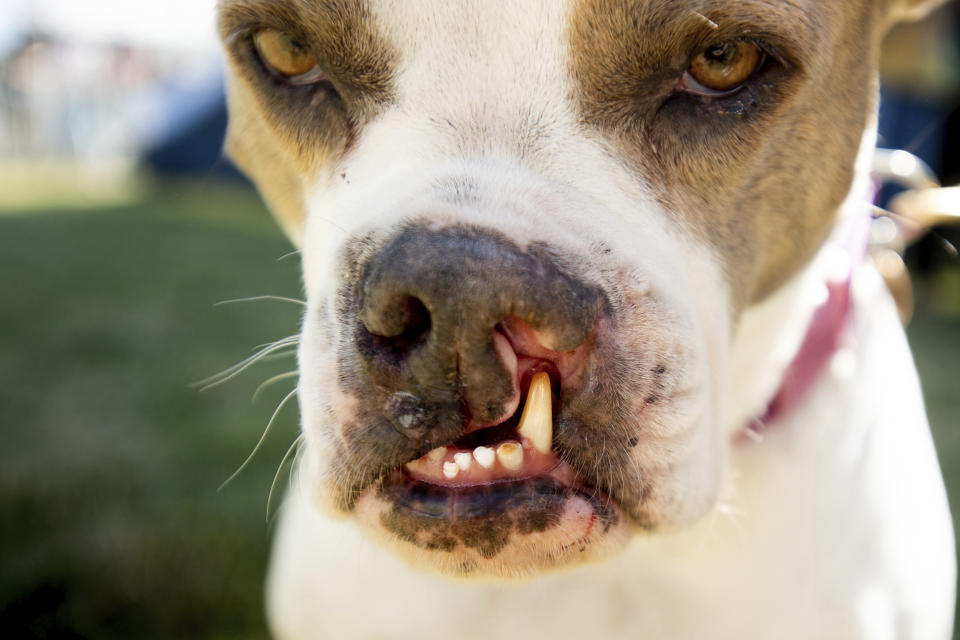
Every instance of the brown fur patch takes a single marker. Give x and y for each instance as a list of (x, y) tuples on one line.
[(282, 135), (758, 175)]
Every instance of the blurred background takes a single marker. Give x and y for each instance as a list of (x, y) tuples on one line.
[(121, 227)]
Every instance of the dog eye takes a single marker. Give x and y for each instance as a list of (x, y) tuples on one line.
[(286, 58), (721, 69)]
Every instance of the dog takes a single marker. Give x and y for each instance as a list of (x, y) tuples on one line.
[(590, 346)]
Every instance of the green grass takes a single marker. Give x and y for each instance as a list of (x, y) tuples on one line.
[(111, 525)]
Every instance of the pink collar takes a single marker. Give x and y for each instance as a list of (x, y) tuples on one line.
[(829, 327)]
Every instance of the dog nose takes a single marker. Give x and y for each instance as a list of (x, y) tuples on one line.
[(431, 301)]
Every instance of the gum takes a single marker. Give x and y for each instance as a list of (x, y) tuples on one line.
[(429, 468)]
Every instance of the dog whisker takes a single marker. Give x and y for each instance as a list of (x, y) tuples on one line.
[(259, 298), (290, 254), (295, 447), (279, 355), (263, 437), (246, 363), (288, 340), (273, 380)]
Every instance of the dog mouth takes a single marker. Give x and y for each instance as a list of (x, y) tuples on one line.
[(500, 483), (519, 448)]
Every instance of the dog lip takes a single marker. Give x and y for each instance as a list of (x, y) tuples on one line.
[(490, 500), (503, 529)]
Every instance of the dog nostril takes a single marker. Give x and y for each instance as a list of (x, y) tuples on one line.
[(398, 327)]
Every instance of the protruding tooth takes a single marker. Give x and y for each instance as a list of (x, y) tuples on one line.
[(437, 454), (510, 455), (450, 470), (484, 456), (412, 466), (536, 423), (462, 460)]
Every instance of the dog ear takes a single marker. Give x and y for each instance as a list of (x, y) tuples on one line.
[(901, 10)]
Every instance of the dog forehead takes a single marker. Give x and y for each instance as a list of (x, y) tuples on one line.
[(473, 22), (463, 63), (527, 35)]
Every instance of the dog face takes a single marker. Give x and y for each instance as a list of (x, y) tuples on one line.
[(567, 208)]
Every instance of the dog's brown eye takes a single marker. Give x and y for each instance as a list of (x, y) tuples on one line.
[(286, 57), (722, 68)]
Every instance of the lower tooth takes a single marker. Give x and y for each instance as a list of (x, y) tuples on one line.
[(510, 455), (450, 470), (462, 460), (484, 456), (413, 465)]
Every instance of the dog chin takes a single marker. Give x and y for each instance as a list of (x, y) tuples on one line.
[(545, 523)]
